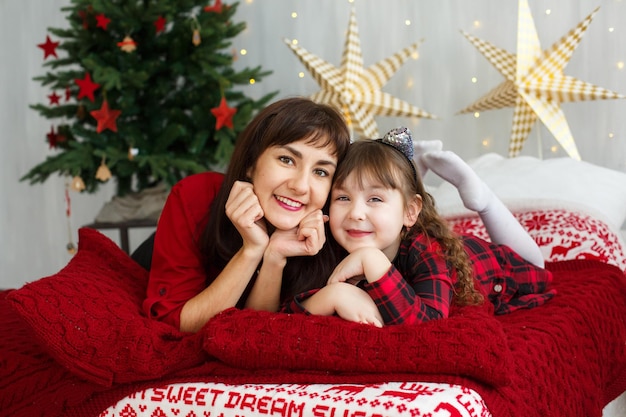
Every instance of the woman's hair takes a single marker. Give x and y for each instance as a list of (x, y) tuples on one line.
[(380, 162), (283, 122)]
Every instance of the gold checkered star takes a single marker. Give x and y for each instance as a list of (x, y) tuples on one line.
[(535, 84), (356, 91)]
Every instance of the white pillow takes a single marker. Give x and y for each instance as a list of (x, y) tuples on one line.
[(535, 183)]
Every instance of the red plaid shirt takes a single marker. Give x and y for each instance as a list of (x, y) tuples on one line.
[(419, 285)]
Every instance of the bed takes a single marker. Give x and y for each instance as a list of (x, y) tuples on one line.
[(76, 344)]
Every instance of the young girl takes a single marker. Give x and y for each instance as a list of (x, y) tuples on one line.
[(408, 264)]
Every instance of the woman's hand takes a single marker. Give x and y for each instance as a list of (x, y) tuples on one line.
[(347, 301), (244, 210), (305, 240), (368, 263)]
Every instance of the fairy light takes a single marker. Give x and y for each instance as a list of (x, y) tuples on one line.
[(548, 12), (294, 41), (611, 30), (410, 82), (620, 65), (477, 24), (294, 15), (407, 22), (301, 74), (243, 52), (474, 80), (476, 115), (252, 81), (415, 55), (554, 149), (486, 142)]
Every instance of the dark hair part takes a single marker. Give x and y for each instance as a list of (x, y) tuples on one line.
[(283, 122), (380, 162)]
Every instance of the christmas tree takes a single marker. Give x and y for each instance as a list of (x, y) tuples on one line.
[(142, 91)]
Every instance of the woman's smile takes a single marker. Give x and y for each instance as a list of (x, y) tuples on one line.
[(288, 203)]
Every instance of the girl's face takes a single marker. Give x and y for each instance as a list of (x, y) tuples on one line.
[(370, 216), (293, 180)]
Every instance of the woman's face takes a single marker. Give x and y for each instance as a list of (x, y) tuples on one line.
[(293, 180)]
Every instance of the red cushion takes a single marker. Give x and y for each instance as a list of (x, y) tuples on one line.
[(470, 343), (88, 317)]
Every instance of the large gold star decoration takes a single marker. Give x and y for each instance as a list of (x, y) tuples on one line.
[(535, 84), (355, 90)]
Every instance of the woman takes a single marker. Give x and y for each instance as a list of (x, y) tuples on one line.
[(228, 240)]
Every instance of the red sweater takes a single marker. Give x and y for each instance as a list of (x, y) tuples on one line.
[(177, 273)]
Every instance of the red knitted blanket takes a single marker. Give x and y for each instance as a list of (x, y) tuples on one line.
[(76, 342)]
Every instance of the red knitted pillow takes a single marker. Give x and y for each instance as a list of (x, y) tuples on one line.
[(469, 343), (88, 317)]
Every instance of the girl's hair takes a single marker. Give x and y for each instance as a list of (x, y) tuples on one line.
[(384, 164), (283, 122)]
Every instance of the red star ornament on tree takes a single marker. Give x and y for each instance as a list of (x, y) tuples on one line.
[(49, 48), (159, 24), (102, 21), (84, 15), (54, 98), (52, 138), (87, 87), (216, 8), (223, 114), (106, 117)]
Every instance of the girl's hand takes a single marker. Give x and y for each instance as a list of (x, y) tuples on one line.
[(354, 304), (244, 210), (305, 240), (347, 301), (368, 263)]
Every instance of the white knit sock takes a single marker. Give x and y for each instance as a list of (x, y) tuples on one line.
[(449, 166), (502, 227), (421, 147)]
